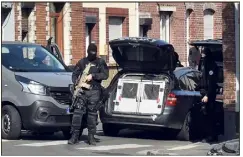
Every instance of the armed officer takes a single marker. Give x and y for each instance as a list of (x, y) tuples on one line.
[(88, 99), (209, 71)]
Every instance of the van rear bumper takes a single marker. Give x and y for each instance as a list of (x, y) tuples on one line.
[(44, 115)]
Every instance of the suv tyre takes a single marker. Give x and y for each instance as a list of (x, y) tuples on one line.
[(110, 129), (187, 131)]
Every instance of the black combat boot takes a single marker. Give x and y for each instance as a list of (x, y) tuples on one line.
[(75, 137), (91, 139)]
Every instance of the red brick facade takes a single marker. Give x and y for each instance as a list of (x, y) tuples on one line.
[(95, 29), (218, 21), (229, 53), (178, 23), (78, 32), (41, 23)]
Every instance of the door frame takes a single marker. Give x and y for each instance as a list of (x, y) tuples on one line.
[(59, 34)]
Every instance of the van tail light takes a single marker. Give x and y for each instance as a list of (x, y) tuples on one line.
[(119, 98), (158, 100), (171, 100)]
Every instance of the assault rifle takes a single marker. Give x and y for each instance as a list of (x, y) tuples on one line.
[(81, 83)]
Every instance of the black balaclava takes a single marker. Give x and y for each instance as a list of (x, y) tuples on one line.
[(92, 52), (207, 52)]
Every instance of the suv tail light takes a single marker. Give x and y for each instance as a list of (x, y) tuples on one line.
[(171, 100)]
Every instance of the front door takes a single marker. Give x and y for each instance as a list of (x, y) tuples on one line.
[(127, 96), (151, 97)]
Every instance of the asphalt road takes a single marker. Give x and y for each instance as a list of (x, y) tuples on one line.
[(128, 143)]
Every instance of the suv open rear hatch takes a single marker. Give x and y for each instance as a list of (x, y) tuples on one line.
[(143, 55)]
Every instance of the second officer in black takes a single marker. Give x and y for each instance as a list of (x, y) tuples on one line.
[(209, 70), (87, 100)]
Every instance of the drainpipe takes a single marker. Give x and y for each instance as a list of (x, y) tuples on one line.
[(237, 61), (237, 55)]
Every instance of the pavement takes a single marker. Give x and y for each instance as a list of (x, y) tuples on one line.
[(128, 143)]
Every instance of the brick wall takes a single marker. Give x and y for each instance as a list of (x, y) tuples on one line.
[(196, 22), (178, 30), (41, 23), (95, 30), (228, 29), (218, 21), (154, 31), (119, 12), (77, 32), (177, 25)]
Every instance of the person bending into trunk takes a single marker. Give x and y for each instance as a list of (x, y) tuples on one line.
[(89, 97), (209, 71)]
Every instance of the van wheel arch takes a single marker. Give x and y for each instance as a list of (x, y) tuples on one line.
[(11, 122), (4, 103)]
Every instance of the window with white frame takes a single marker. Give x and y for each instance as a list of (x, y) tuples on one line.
[(165, 26), (208, 24), (115, 31)]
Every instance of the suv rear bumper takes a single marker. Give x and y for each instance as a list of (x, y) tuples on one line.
[(166, 120), (42, 115)]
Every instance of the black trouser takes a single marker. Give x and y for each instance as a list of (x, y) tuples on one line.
[(210, 116), (85, 104)]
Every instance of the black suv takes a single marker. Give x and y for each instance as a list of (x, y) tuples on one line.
[(150, 91)]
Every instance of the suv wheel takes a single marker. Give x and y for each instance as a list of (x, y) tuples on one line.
[(186, 133), (110, 129), (11, 123)]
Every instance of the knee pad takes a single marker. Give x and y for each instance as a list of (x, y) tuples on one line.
[(92, 119), (77, 118)]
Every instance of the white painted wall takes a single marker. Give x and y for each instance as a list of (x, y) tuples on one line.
[(67, 34), (19, 19), (32, 26), (8, 27), (133, 20)]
